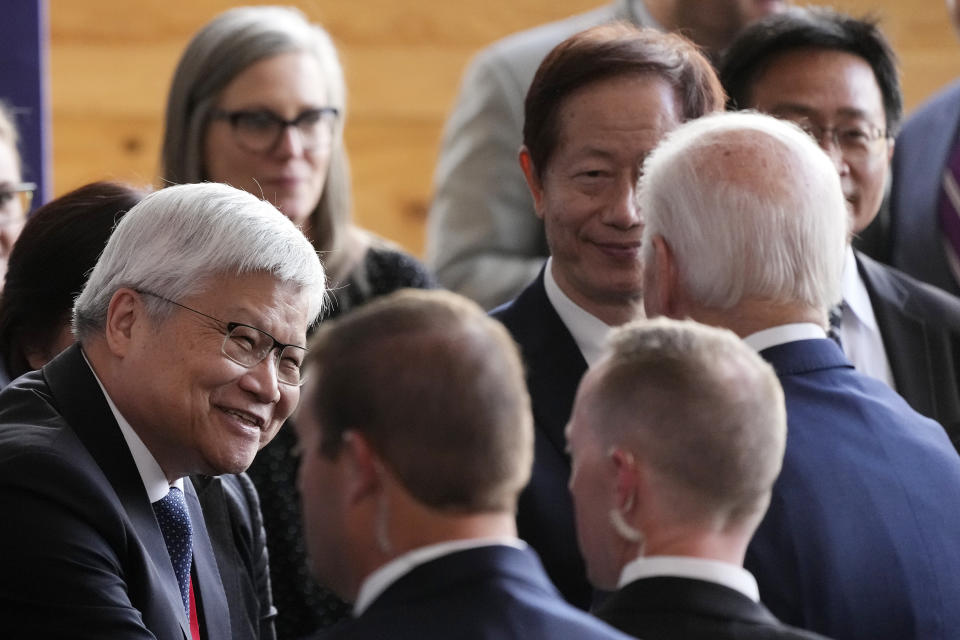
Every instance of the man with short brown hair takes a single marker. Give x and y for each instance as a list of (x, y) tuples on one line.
[(416, 438)]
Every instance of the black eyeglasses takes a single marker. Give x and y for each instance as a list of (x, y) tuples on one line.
[(855, 140), (248, 346), (9, 193), (261, 130)]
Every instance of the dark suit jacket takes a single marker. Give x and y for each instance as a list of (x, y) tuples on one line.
[(922, 151), (84, 554), (554, 368), (860, 540), (671, 608), (920, 328), (487, 593)]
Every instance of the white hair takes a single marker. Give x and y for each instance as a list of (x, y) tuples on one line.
[(751, 207), (177, 239)]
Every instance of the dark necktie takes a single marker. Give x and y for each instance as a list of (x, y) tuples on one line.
[(174, 523), (835, 315), (950, 204)]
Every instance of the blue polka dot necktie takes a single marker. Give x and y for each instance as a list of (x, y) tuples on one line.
[(174, 523)]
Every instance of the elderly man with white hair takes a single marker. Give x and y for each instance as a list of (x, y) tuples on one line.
[(746, 228), (191, 333)]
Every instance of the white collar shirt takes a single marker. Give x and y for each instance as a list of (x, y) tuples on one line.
[(723, 573), (381, 579), (859, 333), (783, 334), (588, 331)]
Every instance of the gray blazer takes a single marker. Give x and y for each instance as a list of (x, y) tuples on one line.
[(483, 238)]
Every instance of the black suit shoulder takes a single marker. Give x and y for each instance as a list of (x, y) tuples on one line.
[(920, 328), (670, 608)]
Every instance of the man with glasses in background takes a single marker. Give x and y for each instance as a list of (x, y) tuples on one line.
[(122, 458), (836, 77)]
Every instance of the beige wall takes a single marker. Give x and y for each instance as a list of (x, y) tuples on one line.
[(111, 63)]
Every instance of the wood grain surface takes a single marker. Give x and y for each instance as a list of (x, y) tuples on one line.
[(111, 63)]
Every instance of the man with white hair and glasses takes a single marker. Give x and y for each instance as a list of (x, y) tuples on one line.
[(119, 456)]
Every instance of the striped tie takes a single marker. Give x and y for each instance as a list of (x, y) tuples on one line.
[(950, 211)]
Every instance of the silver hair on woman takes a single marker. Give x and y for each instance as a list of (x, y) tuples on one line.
[(221, 50), (177, 239)]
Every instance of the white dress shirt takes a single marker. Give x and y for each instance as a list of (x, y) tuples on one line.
[(378, 581), (859, 332), (154, 480), (588, 331), (783, 334), (723, 573)]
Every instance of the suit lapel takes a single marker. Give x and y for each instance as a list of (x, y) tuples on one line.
[(212, 596), (554, 362), (904, 336), (85, 409)]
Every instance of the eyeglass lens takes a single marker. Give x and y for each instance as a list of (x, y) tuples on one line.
[(248, 346), (262, 130)]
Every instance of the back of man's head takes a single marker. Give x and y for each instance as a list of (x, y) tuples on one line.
[(751, 208), (701, 408), (685, 426), (437, 389)]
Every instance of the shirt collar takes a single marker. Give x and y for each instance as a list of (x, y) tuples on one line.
[(378, 581), (588, 331), (154, 480), (855, 295), (724, 573), (784, 333)]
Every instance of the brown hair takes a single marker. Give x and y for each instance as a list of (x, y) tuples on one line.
[(701, 408), (608, 51), (437, 388)]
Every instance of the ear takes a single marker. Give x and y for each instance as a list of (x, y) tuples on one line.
[(627, 479), (364, 467), (533, 180), (125, 310), (662, 297), (890, 145)]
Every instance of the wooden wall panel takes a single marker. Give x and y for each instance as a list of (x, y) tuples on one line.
[(111, 63)]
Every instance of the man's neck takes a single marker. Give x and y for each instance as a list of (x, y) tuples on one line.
[(750, 316), (612, 310)]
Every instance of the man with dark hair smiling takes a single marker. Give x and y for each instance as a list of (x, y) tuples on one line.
[(599, 103)]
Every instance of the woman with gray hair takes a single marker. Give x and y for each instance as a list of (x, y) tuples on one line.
[(258, 101)]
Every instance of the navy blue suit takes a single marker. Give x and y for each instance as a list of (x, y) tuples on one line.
[(861, 538), (554, 368), (672, 608), (920, 328), (84, 556), (488, 593), (922, 151)]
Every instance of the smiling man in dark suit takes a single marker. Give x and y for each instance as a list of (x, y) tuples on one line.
[(117, 458), (416, 438), (836, 77), (746, 229), (676, 438), (599, 103)]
